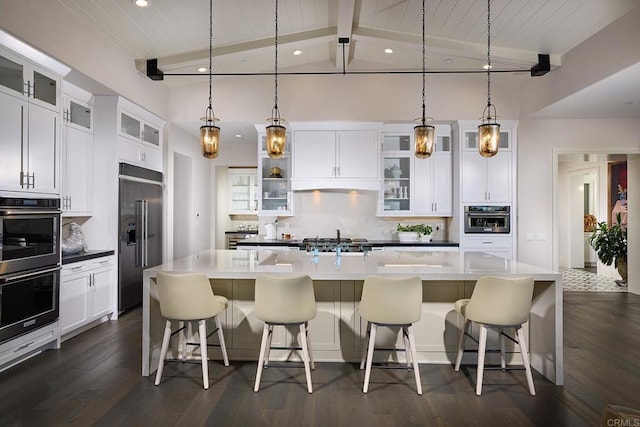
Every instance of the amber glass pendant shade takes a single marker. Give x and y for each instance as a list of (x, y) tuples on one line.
[(276, 141), (209, 140), (488, 139), (424, 137)]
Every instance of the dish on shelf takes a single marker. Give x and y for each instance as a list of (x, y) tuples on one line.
[(275, 175)]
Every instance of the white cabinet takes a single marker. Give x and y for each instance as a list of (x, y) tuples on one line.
[(139, 136), (331, 155), (412, 186), (486, 180), (274, 179), (77, 153), (86, 292), (29, 120), (500, 246), (243, 191)]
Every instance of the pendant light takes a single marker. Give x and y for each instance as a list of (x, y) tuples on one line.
[(209, 132), (489, 130), (423, 134), (276, 132)]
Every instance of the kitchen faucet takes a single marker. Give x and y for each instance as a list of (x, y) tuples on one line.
[(338, 236)]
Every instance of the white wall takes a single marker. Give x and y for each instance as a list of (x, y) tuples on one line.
[(196, 232), (539, 142)]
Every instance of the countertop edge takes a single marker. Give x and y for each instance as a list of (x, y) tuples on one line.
[(84, 256)]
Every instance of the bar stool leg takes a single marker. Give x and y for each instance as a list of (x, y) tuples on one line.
[(365, 346), (313, 365), (305, 355), (182, 340), (202, 331), (414, 358), (163, 350), (503, 361), (525, 360), (223, 347), (263, 344), (372, 343), (482, 346), (268, 348), (465, 330), (407, 346)]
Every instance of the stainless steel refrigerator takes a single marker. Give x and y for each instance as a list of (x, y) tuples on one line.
[(140, 230)]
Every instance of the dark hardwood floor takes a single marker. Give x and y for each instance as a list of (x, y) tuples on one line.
[(95, 380)]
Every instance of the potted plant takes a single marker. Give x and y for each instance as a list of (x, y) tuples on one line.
[(413, 232), (610, 243)]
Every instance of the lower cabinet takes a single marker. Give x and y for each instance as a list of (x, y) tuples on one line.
[(85, 292)]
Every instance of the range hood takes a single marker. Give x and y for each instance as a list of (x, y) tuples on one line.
[(369, 184)]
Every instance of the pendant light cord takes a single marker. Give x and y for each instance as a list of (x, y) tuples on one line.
[(210, 110), (275, 107), (424, 61), (489, 55)]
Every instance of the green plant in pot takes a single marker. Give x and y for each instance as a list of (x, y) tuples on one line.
[(419, 230), (610, 243)]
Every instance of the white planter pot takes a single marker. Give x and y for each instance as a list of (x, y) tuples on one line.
[(407, 236)]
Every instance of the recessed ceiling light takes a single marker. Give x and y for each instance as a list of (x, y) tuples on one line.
[(297, 52), (202, 69), (243, 61), (487, 66), (239, 135), (448, 60), (141, 3), (388, 50)]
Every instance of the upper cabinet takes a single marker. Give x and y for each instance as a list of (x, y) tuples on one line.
[(412, 186), (243, 191), (139, 136), (30, 126), (335, 155), (274, 179), (76, 152), (486, 180)]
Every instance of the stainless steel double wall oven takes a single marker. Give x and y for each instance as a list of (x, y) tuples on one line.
[(29, 264)]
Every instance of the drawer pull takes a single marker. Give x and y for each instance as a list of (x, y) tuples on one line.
[(23, 346)]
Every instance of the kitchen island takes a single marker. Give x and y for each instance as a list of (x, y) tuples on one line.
[(336, 332)]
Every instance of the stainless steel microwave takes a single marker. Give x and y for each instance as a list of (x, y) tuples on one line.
[(487, 219)]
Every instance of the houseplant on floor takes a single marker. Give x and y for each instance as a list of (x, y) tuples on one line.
[(610, 243), (413, 232)]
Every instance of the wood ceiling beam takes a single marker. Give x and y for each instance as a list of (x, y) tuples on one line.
[(173, 62), (346, 12), (450, 47)]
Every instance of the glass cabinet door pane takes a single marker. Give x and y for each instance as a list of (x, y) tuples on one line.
[(80, 115), (44, 88), (504, 140), (443, 143), (396, 143), (275, 184), (129, 125), (397, 184), (151, 134), (11, 75), (471, 140)]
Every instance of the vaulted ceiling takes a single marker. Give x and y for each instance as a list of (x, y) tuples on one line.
[(177, 32)]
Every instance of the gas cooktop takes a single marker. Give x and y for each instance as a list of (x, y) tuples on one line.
[(329, 244)]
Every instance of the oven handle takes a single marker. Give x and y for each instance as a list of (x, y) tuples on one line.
[(14, 277), (28, 212)]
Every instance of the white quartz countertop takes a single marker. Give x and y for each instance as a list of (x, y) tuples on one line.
[(247, 264)]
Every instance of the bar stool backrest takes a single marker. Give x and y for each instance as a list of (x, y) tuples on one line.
[(186, 296), (500, 301), (391, 300), (284, 300)]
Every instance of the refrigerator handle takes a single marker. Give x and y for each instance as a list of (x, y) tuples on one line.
[(145, 205), (139, 233)]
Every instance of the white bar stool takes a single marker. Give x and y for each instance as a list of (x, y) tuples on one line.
[(499, 303), (285, 301), (187, 297), (388, 301)]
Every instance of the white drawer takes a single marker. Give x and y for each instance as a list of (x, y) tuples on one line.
[(24, 344)]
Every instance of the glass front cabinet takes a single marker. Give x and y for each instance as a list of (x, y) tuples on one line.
[(274, 179), (412, 186), (243, 191)]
